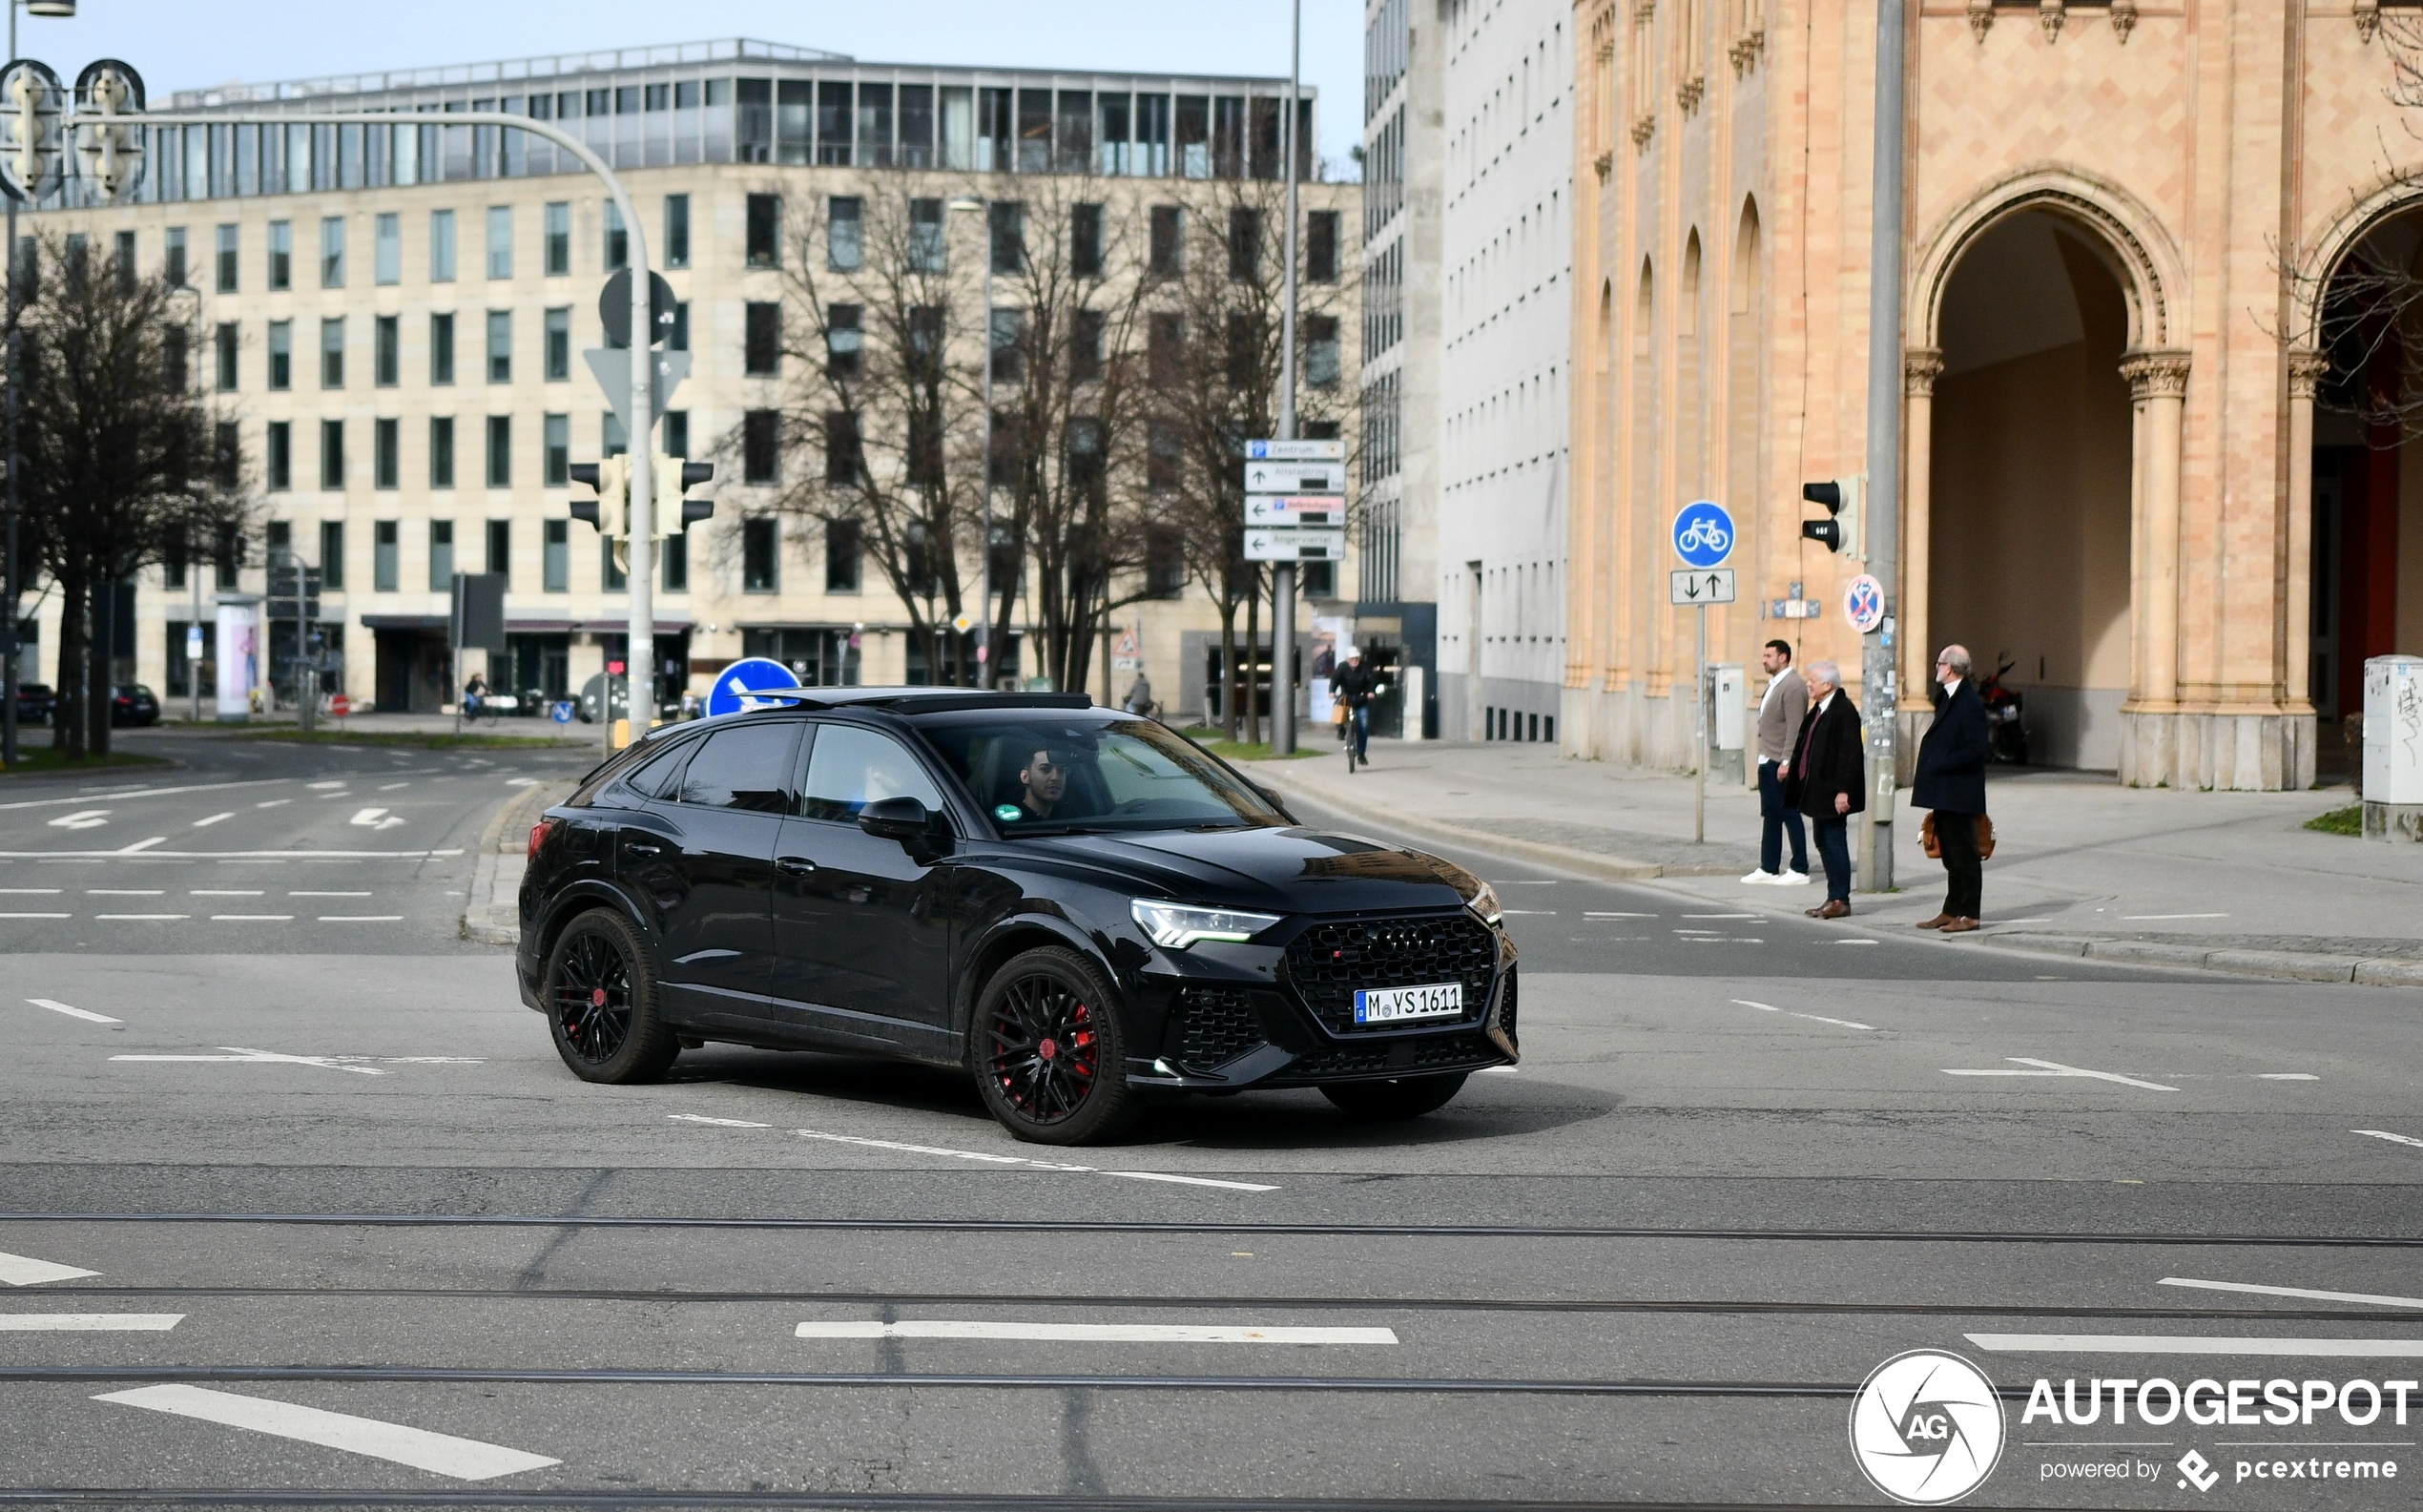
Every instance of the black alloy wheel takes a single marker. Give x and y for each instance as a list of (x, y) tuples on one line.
[(1398, 1097), (1047, 1051), (601, 1002)]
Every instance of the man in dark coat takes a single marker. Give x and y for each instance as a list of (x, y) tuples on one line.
[(1951, 780), (1827, 779)]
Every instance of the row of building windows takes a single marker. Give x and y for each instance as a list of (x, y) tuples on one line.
[(837, 122), (496, 362), (444, 557), (386, 450), (386, 246)]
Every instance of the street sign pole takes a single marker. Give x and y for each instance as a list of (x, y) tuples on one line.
[(1703, 539), (1699, 779), (1283, 580)]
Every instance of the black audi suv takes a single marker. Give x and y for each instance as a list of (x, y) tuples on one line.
[(1077, 905)]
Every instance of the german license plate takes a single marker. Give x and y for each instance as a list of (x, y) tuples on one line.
[(1397, 1004)]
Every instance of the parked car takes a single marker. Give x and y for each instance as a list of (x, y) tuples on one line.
[(36, 701), (1075, 905), (131, 703)]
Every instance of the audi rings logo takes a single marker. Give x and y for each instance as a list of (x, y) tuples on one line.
[(1926, 1427)]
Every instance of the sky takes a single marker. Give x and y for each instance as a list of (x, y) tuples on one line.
[(185, 44)]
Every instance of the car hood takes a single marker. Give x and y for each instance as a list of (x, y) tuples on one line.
[(1294, 870)]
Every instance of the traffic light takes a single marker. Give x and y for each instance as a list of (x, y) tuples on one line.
[(611, 509), (1844, 501), (674, 479)]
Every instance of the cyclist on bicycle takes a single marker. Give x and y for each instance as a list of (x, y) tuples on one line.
[(1354, 686), (473, 692)]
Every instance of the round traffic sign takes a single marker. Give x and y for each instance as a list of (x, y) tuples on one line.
[(561, 712), (614, 307), (1704, 533), (749, 675), (1863, 603)]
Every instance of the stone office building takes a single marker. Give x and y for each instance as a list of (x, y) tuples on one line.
[(394, 317), (2131, 473)]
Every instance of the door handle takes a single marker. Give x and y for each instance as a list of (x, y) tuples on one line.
[(795, 865), (643, 848)]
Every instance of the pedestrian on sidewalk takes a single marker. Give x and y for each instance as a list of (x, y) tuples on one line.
[(1828, 780), (1780, 711), (1951, 782)]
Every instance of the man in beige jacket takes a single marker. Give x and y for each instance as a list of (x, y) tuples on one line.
[(1780, 713)]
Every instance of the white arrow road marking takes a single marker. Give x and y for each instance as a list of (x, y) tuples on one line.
[(2195, 1344), (1034, 1165), (242, 1054), (2057, 1068), (377, 819), (23, 1270), (2291, 1290), (86, 1014), (89, 1322), (442, 1454), (1102, 1333), (2383, 1134), (82, 819)]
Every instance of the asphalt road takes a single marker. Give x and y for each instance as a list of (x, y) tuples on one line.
[(327, 1169)]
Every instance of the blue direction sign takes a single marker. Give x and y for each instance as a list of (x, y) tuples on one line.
[(1703, 534), (749, 674)]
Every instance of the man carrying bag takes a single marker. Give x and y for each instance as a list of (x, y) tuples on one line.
[(1951, 782)]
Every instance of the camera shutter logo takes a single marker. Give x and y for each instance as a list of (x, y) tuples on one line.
[(1926, 1427)]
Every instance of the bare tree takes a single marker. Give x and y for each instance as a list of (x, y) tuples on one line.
[(125, 463)]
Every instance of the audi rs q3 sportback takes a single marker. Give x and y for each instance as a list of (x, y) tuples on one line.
[(1077, 905)]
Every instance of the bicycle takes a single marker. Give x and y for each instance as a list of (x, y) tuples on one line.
[(1355, 728)]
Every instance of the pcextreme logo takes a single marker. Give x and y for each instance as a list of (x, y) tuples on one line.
[(1926, 1427)]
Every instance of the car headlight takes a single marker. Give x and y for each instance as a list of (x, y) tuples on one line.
[(1174, 926), (1484, 902)]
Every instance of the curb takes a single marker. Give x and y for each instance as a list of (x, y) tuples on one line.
[(2294, 966), (484, 918), (1615, 867)]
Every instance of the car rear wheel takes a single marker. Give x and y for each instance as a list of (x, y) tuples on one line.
[(601, 1002), (1048, 1052), (1399, 1097)]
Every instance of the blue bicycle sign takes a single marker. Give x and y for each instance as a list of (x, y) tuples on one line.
[(1703, 534)]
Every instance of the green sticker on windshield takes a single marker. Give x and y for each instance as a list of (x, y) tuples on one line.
[(1009, 813)]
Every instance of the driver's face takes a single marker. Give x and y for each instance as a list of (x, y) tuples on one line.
[(1045, 778)]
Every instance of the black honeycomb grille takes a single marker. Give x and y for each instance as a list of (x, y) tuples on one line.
[(1506, 1009), (1215, 1026), (1406, 1056), (1328, 963)]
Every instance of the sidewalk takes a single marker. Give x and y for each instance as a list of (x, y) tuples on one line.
[(2084, 866), (542, 731)]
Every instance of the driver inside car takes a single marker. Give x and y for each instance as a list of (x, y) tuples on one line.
[(1042, 783)]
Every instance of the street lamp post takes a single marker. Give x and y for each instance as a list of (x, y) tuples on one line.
[(1283, 579), (967, 205)]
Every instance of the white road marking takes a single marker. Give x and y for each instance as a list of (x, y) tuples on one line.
[(1745, 1002), (327, 895), (376, 819), (251, 918), (2395, 1139), (274, 803), (1591, 914), (89, 1322), (1100, 1333), (13, 890), (1021, 1160), (1721, 939), (360, 918), (36, 915), (23, 1270), (720, 1122), (2057, 1068), (2197, 1344), (1699, 931), (521, 782), (86, 1014), (1847, 1024), (239, 1054), (203, 824), (133, 917), (438, 1453), (86, 796), (2307, 1292), (1858, 942), (1720, 916), (82, 819), (321, 787), (2139, 919), (226, 892), (2285, 1076), (124, 892), (141, 846), (390, 787), (1537, 913)]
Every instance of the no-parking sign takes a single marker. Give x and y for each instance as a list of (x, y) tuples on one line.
[(1863, 603)]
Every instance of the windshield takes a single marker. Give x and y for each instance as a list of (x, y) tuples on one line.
[(1055, 772)]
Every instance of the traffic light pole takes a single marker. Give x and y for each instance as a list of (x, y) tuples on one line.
[(1283, 578), (639, 659), (1883, 544)]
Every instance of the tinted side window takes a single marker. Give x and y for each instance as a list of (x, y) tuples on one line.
[(745, 767), (656, 777), (849, 768)]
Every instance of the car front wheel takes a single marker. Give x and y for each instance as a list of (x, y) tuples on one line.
[(601, 1002), (1399, 1097), (1048, 1052)]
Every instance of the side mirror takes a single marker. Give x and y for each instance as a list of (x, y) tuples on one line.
[(902, 819)]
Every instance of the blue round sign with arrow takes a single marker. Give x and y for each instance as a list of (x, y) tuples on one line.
[(749, 674), (1703, 534)]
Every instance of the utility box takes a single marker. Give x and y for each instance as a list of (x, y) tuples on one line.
[(2393, 748), (1728, 723)]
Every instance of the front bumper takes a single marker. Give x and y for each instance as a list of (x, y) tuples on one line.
[(1225, 1017)]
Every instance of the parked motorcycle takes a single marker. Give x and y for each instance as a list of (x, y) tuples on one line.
[(2005, 727)]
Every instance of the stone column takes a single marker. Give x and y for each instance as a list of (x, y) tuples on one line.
[(2150, 741), (2304, 374), (1920, 367)]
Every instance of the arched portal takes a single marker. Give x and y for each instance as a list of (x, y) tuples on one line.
[(2028, 550), (2366, 558)]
